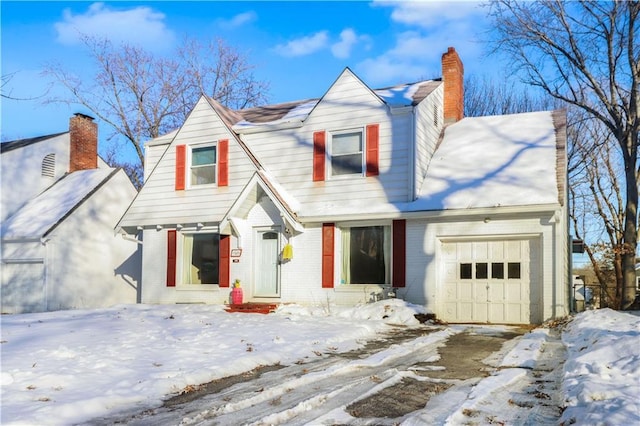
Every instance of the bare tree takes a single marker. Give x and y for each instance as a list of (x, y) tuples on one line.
[(142, 96), (6, 79), (597, 206), (586, 54), (490, 97)]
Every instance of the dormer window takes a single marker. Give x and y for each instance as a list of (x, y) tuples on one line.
[(203, 165), (346, 153), (49, 165)]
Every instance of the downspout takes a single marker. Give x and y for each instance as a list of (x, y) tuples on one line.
[(412, 163), (46, 271)]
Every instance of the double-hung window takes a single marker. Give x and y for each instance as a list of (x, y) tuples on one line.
[(347, 155), (203, 165), (366, 255), (200, 263)]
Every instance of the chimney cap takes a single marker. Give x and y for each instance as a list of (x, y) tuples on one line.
[(81, 115)]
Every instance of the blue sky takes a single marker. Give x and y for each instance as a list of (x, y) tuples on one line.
[(298, 47)]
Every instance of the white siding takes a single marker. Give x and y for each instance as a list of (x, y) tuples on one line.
[(159, 202), (154, 277), (347, 105), (427, 132), (75, 276), (21, 172)]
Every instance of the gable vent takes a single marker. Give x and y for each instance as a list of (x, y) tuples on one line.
[(49, 166)]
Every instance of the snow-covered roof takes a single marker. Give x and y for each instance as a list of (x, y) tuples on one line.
[(294, 113), (407, 94), (43, 213), (506, 160)]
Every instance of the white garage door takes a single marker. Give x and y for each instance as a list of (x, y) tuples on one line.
[(493, 281), (22, 288)]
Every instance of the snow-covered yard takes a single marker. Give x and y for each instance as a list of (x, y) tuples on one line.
[(70, 367)]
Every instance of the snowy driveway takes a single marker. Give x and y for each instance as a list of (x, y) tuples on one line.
[(313, 365), (420, 375)]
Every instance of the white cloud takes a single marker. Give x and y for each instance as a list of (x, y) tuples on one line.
[(140, 25), (238, 20), (304, 46), (432, 27), (430, 13), (348, 39)]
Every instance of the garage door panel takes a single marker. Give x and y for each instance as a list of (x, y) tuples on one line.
[(497, 312), (482, 291), (497, 250), (481, 250), (497, 292), (465, 291)]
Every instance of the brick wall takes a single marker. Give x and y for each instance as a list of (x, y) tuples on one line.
[(83, 133), (453, 78)]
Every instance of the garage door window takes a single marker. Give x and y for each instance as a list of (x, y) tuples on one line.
[(497, 271), (514, 270), (482, 271)]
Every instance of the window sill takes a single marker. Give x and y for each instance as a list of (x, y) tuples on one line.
[(358, 288), (198, 287)]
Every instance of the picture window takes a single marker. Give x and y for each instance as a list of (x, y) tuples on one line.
[(200, 258), (366, 255)]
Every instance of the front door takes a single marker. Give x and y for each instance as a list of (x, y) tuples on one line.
[(267, 279)]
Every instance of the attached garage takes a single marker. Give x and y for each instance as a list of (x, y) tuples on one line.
[(491, 281)]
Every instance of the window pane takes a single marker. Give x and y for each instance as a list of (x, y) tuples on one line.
[(497, 271), (465, 271), (204, 155), (203, 175), (366, 262), (201, 258), (346, 143), (514, 270), (346, 164), (481, 270)]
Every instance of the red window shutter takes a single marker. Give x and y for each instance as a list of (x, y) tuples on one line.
[(181, 156), (327, 255), (224, 261), (399, 253), (319, 148), (171, 258), (223, 162), (373, 131)]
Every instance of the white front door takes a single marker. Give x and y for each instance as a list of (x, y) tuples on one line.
[(267, 277)]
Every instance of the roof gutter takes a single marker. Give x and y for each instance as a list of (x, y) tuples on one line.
[(435, 215)]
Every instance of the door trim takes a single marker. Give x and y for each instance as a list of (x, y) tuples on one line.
[(258, 232)]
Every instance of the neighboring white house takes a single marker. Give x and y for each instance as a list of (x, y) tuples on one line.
[(60, 203), (359, 193)]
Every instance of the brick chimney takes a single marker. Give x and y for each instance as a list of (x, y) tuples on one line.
[(83, 135), (453, 78)]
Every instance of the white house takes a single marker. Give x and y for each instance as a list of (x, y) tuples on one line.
[(362, 192), (60, 204)]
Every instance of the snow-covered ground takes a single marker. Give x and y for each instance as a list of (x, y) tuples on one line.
[(70, 367)]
